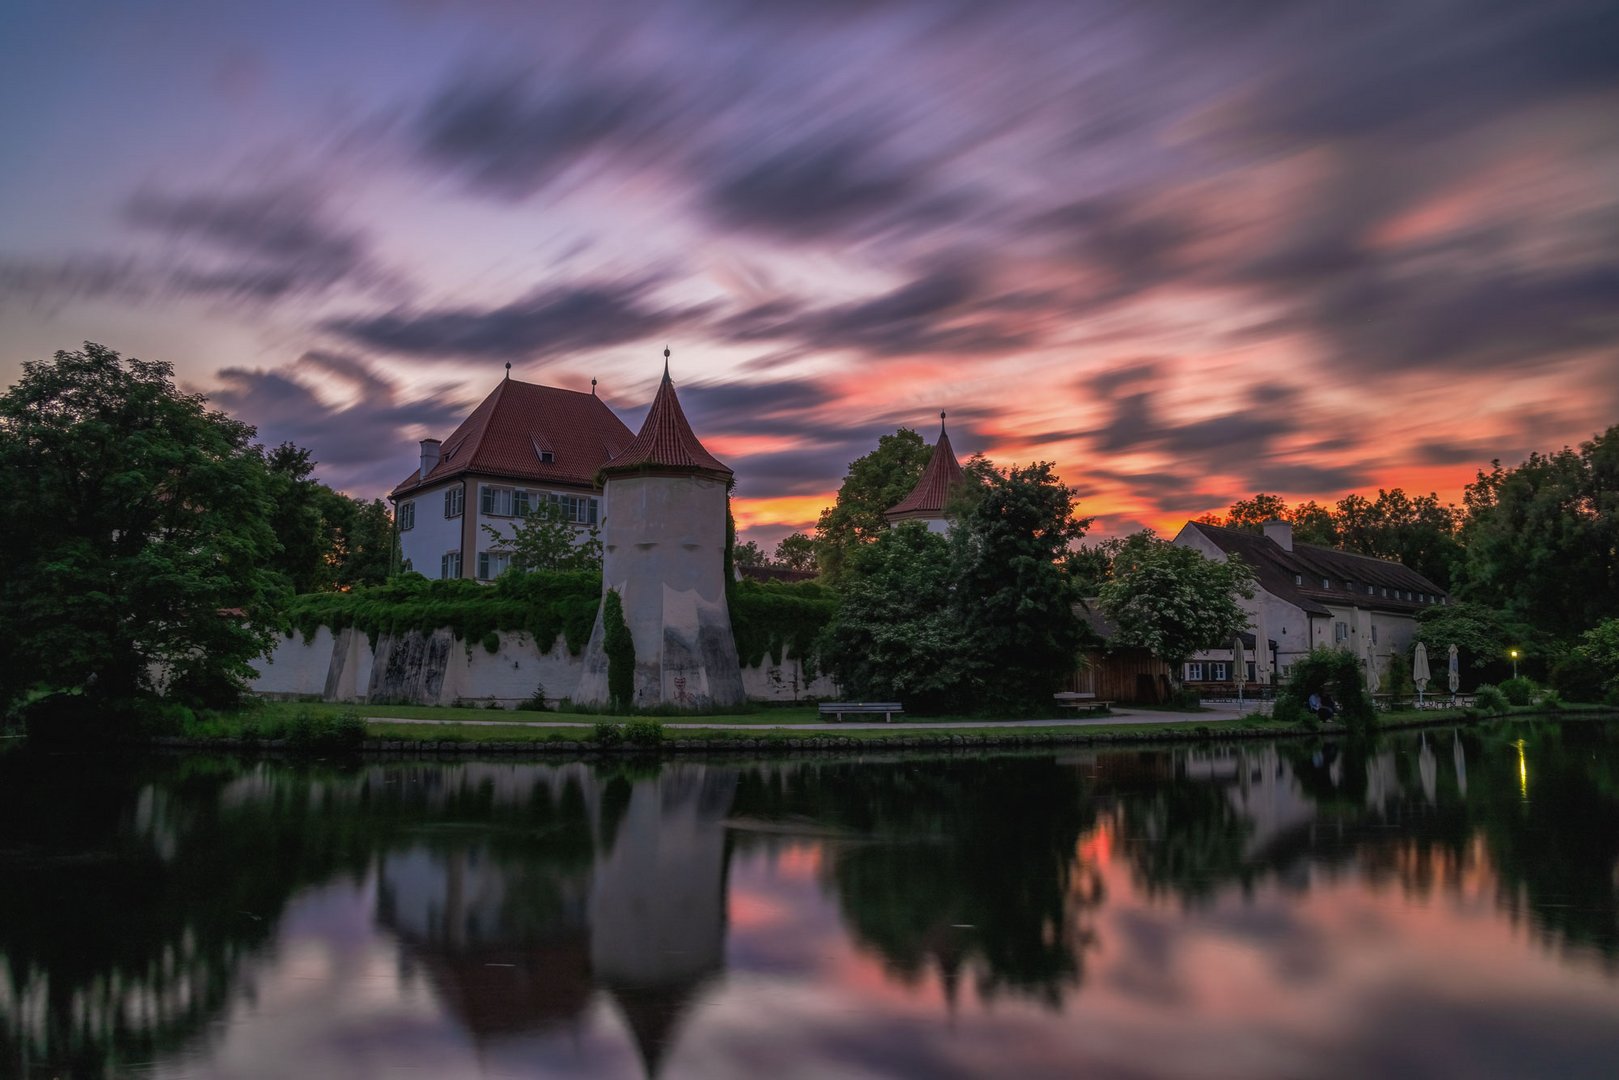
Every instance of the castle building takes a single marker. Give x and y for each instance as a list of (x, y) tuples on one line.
[(666, 503), (525, 446), (940, 481)]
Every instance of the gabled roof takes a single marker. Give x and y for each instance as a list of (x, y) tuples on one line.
[(666, 442), (505, 435), (1276, 570), (942, 477)]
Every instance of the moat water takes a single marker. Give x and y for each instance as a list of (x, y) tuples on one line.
[(1439, 904)]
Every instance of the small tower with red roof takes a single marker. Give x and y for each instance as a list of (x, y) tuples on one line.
[(663, 552), (929, 499)]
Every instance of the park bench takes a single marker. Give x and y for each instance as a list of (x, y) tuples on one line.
[(861, 708), (1082, 702)]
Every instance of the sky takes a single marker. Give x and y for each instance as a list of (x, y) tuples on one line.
[(1186, 251)]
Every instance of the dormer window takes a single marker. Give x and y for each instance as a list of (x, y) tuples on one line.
[(546, 457), (1298, 579), (1325, 584)]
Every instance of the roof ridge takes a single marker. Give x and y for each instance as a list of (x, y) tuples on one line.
[(666, 440)]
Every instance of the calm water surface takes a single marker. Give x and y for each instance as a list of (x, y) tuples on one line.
[(1443, 905)]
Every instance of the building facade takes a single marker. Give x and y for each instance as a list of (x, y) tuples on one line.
[(524, 448), (1308, 597)]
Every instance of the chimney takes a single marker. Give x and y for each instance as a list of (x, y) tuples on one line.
[(430, 457), (1280, 533)]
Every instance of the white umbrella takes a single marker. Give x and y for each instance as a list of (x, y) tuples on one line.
[(1455, 670), (1239, 661), (1373, 683), (1419, 670)]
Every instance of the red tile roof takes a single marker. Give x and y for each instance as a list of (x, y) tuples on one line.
[(939, 481), (504, 435), (666, 442)]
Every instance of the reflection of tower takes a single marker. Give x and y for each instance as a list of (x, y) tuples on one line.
[(663, 552), (657, 905)]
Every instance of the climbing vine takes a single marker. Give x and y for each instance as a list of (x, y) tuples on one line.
[(619, 645), (779, 620), (543, 604)]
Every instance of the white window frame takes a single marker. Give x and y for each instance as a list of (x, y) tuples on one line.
[(488, 559), (407, 515), (449, 565), (1340, 631), (454, 502), (1218, 669), (1194, 671)]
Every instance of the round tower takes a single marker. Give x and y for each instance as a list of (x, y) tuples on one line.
[(663, 552)]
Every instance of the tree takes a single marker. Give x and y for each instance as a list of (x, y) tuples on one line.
[(1542, 539), (1011, 548), (1174, 602), (796, 552), (370, 548), (1481, 635), (157, 547), (1417, 532), (749, 554), (874, 483), (897, 634), (544, 541)]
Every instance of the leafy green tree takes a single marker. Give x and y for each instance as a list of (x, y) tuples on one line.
[(1173, 602), (1599, 647), (1417, 532), (1313, 524), (750, 554), (370, 548), (306, 516), (1250, 514), (1012, 594), (1482, 636), (543, 540), (898, 634), (1542, 539), (796, 552), (154, 545), (874, 483)]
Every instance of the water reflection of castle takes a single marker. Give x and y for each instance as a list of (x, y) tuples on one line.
[(626, 898)]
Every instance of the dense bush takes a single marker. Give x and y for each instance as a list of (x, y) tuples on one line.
[(607, 733), (1335, 672), (1576, 678), (1519, 691), (644, 732), (1490, 699)]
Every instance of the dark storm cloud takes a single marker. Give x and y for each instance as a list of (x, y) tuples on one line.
[(1293, 476), (1415, 70), (556, 321), (945, 310), (510, 136), (362, 446), (1127, 246), (787, 406), (261, 244), (813, 189), (258, 246)]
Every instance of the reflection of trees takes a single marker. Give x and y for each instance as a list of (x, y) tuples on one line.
[(954, 863), (139, 894)]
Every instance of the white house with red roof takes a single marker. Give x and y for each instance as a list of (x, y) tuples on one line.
[(940, 480), (526, 445)]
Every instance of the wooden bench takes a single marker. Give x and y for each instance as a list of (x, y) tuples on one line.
[(862, 708), (1082, 702)]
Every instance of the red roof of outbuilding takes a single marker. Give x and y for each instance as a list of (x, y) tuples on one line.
[(667, 442), (505, 435), (940, 479)]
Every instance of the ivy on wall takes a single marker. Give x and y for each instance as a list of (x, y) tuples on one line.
[(619, 644), (779, 620), (543, 604)]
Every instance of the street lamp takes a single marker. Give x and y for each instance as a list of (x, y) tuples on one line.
[(1514, 654)]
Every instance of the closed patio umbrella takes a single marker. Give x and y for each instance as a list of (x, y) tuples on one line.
[(1373, 683), (1419, 671), (1455, 671)]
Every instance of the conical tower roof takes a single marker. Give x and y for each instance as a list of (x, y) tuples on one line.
[(667, 443), (942, 477)]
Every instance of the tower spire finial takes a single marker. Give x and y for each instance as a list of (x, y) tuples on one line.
[(508, 369), (593, 387), (941, 421), (666, 363)]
